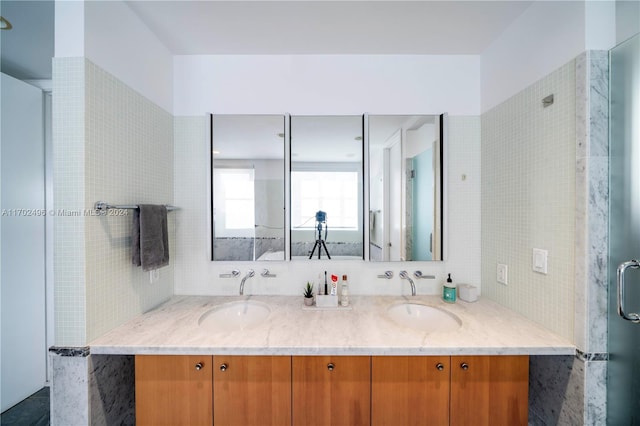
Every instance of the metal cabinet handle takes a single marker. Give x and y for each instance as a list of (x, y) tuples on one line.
[(199, 366), (440, 366), (464, 366), (620, 281), (330, 366), (223, 367)]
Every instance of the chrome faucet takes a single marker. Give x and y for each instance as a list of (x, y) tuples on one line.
[(405, 276), (420, 275), (250, 273), (265, 273)]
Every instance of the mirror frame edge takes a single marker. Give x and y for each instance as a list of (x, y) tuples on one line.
[(287, 187), (366, 196), (210, 224), (444, 198)]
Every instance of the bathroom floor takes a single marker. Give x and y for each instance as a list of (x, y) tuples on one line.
[(33, 411)]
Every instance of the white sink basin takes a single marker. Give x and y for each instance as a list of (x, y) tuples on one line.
[(423, 317), (234, 316)]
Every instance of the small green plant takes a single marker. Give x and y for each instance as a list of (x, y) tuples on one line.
[(308, 290)]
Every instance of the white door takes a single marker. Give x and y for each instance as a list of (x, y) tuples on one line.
[(22, 285)]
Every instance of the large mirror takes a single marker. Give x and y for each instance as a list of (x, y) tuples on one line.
[(405, 187), (327, 187), (247, 185)]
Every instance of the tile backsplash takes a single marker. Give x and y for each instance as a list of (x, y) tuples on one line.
[(68, 174), (123, 146), (528, 200)]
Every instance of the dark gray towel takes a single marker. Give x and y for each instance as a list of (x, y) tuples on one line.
[(150, 238)]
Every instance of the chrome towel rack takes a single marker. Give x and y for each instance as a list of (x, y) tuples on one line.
[(103, 206)]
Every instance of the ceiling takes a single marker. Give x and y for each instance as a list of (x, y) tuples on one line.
[(327, 27), (277, 27)]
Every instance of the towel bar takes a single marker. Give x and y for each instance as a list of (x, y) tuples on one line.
[(104, 206)]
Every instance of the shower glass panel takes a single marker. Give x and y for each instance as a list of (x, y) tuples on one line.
[(623, 392)]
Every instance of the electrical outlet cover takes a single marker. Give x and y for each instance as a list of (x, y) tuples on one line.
[(539, 260)]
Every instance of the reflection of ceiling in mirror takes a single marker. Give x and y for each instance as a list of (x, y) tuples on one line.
[(326, 138), (382, 127), (248, 136)]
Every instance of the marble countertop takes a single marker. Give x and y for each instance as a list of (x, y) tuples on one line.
[(487, 329)]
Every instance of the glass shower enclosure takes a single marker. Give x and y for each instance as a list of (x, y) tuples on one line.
[(623, 382)]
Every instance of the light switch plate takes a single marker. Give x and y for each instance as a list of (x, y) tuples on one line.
[(539, 260), (502, 274)]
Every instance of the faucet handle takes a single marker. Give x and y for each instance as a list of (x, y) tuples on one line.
[(233, 274), (387, 275), (404, 275), (250, 273), (418, 274), (265, 273)]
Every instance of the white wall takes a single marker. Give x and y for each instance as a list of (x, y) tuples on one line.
[(118, 42), (69, 29), (327, 84), (546, 36), (113, 37)]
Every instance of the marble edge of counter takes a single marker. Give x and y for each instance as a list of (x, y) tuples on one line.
[(297, 351), (102, 346)]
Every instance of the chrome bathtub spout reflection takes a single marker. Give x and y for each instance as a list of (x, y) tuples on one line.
[(250, 274), (405, 276)]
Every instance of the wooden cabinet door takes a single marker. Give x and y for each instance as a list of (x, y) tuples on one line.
[(252, 390), (410, 390), (173, 390), (331, 390), (489, 390)]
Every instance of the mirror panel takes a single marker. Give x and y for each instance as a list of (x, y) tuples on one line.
[(247, 187), (327, 187), (405, 187)]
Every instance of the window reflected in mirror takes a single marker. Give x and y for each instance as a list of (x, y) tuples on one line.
[(247, 182), (405, 187), (327, 187)]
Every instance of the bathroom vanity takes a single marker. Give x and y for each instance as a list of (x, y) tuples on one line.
[(331, 390), (356, 366)]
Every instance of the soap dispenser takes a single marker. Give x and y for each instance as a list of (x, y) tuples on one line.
[(449, 291)]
